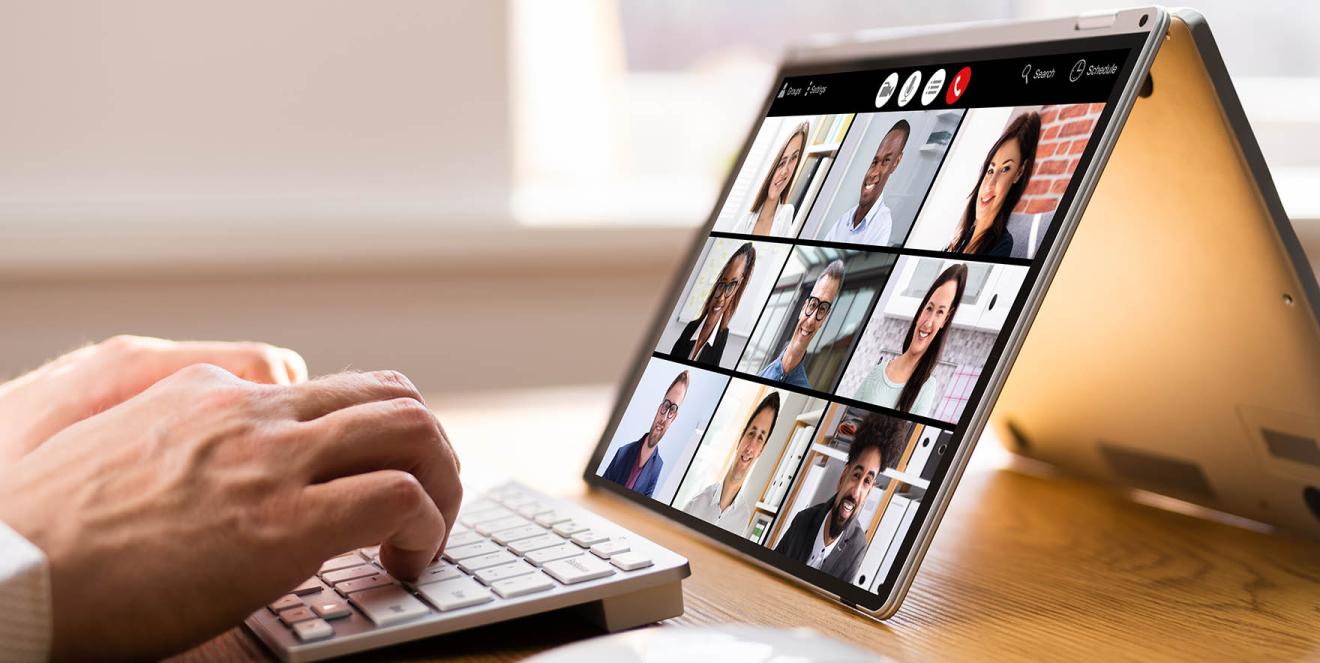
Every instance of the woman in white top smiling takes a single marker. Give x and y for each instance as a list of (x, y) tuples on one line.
[(722, 503), (905, 382), (771, 213)]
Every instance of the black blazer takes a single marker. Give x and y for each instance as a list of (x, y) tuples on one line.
[(797, 542), (710, 354)]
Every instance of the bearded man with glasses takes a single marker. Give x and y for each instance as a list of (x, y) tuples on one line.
[(637, 465), (790, 365)]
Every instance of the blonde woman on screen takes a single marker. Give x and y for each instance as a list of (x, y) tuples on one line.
[(771, 213), (904, 382)]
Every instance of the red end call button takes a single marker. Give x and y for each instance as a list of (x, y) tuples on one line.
[(958, 85)]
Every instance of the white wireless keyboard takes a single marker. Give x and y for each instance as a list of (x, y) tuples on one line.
[(515, 552)]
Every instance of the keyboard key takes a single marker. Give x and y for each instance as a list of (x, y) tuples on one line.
[(336, 577), (589, 538), (630, 561), (309, 586), (463, 538), (388, 605), (485, 561), (286, 602), (314, 629), (611, 548), (569, 527), (480, 505), (518, 501), (551, 518), (532, 509), (471, 550), (370, 582), (455, 594), (522, 585), (505, 492), (295, 615), (527, 531), (341, 562), (370, 552), (498, 524), (504, 571), (577, 569), (524, 546), (438, 572), (540, 557), (471, 520), (331, 609)]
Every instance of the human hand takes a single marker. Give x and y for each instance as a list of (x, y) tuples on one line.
[(175, 514), (97, 377)]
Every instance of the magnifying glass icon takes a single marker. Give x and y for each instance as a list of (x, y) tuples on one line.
[(1026, 74)]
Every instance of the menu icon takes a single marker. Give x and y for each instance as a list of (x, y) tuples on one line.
[(933, 87)]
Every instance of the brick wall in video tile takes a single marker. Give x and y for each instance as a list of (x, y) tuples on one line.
[(1064, 132)]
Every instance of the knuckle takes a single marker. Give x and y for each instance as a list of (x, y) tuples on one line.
[(392, 378), (122, 345), (413, 413), (403, 492), (262, 359), (203, 373)]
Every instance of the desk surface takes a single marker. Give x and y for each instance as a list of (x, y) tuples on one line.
[(1025, 564)]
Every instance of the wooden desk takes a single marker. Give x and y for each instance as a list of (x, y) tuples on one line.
[(1025, 565)]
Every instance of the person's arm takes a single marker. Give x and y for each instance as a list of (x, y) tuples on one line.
[(612, 470), (926, 398), (682, 345), (786, 542), (24, 599), (206, 485)]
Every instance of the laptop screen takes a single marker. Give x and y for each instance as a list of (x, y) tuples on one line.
[(817, 366)]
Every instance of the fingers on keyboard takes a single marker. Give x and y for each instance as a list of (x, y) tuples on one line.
[(510, 544)]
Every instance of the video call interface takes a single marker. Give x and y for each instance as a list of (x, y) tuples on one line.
[(812, 383)]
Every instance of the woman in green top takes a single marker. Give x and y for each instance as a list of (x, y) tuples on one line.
[(904, 382)]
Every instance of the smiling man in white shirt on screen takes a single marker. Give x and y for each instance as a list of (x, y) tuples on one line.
[(870, 221), (724, 503)]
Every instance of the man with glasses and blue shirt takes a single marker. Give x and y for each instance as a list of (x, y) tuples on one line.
[(637, 465), (790, 365)]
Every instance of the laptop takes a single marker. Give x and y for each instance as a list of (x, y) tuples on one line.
[(843, 326)]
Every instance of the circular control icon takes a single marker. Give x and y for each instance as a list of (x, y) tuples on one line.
[(886, 90), (933, 87), (958, 85), (909, 88), (1077, 71)]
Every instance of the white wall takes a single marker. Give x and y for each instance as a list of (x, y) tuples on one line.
[(144, 110)]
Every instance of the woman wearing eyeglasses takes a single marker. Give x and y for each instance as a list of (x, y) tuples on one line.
[(905, 382), (771, 213), (983, 229), (703, 339)]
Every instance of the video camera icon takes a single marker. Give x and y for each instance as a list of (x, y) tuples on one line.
[(886, 90)]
